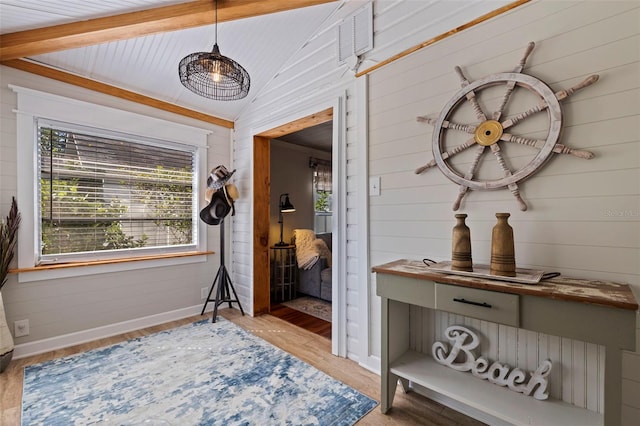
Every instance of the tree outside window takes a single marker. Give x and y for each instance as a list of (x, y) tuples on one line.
[(322, 194), (101, 193)]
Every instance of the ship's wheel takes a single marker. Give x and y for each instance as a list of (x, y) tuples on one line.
[(490, 132)]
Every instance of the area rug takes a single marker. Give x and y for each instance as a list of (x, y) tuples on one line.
[(199, 374), (310, 305)]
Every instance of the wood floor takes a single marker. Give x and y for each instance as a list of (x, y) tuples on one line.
[(408, 409), (300, 319)]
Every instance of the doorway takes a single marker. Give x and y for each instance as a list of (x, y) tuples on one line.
[(301, 171), (296, 133)]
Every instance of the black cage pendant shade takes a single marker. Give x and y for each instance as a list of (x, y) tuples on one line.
[(212, 75)]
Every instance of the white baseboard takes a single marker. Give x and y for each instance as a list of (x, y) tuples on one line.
[(76, 338), (371, 363)]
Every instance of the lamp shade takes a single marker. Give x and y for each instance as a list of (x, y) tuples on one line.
[(286, 206), (214, 76)]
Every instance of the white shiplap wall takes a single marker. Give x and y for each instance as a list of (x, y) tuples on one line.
[(310, 82), (90, 306), (584, 216)]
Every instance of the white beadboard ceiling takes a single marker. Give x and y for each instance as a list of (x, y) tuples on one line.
[(262, 45), (149, 65)]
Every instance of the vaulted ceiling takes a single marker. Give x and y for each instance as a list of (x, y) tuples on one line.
[(132, 47)]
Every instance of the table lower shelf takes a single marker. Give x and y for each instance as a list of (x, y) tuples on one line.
[(497, 401)]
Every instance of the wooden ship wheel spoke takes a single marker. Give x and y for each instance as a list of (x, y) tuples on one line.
[(490, 132), (471, 95), (512, 84)]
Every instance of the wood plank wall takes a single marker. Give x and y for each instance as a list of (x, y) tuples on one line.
[(314, 77), (584, 216), (303, 82)]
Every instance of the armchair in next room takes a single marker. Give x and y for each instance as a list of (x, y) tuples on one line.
[(313, 254)]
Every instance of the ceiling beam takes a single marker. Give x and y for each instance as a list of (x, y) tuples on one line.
[(137, 24), (107, 89)]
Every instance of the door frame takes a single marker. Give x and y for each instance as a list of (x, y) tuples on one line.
[(321, 113)]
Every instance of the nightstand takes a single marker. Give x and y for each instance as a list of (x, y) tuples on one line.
[(284, 271)]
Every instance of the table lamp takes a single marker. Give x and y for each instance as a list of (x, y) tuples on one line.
[(284, 207)]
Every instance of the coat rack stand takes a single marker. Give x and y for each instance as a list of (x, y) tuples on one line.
[(224, 285)]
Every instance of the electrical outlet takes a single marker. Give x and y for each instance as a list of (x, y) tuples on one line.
[(203, 292), (21, 328)]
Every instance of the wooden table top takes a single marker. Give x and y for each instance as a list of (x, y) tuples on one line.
[(595, 292)]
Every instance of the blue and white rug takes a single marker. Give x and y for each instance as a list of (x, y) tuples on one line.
[(198, 374)]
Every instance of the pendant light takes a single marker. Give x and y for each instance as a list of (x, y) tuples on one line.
[(212, 75)]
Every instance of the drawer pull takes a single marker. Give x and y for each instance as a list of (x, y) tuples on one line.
[(469, 302)]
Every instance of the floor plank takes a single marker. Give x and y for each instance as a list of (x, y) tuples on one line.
[(301, 319), (408, 409)]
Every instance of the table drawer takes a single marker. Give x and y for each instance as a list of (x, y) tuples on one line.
[(487, 305), (407, 290)]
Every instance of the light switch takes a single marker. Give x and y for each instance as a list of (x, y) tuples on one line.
[(374, 185)]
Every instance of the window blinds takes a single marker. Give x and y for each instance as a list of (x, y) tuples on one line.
[(103, 191), (322, 178)]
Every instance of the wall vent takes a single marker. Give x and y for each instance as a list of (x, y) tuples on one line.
[(355, 34)]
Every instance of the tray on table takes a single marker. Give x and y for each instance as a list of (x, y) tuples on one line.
[(523, 275)]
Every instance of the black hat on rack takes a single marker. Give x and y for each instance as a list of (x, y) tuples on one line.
[(221, 203)]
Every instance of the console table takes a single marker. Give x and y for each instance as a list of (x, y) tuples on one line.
[(598, 312)]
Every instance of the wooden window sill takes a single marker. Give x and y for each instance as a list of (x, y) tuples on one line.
[(109, 261)]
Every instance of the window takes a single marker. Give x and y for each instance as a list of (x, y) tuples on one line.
[(102, 183), (104, 192), (322, 190)]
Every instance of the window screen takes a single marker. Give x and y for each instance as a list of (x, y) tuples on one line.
[(102, 192)]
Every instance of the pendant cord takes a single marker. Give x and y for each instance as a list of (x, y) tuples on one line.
[(216, 42)]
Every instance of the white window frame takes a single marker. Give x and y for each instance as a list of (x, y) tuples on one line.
[(33, 104)]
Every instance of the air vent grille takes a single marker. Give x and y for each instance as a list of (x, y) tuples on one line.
[(355, 34)]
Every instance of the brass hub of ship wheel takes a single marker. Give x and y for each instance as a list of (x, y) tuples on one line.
[(488, 133)]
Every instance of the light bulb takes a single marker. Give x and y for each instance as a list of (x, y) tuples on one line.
[(216, 72)]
